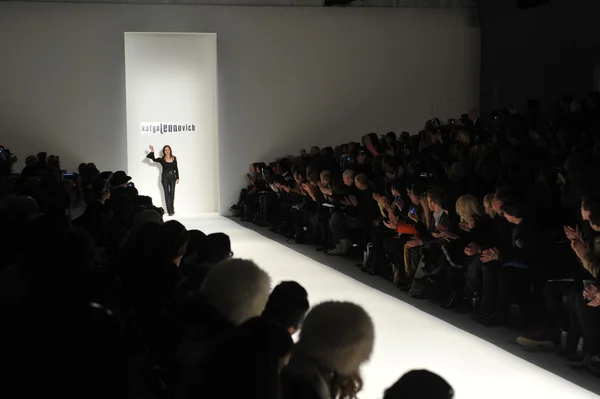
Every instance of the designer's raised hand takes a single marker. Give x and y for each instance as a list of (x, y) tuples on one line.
[(151, 148)]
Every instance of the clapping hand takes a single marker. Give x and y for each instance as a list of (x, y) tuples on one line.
[(490, 255), (590, 291), (595, 300), (441, 228), (579, 247), (467, 226), (472, 249), (346, 201), (449, 236), (390, 225), (415, 242), (573, 233)]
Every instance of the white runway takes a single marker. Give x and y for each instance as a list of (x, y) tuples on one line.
[(406, 338)]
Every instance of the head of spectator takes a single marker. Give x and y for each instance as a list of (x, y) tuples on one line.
[(140, 219), (463, 137), (255, 353), (237, 289), (348, 177), (325, 178), (513, 212), (42, 159), (595, 221), (314, 178), (24, 207), (120, 179), (458, 172), (172, 241), (473, 115), (284, 167), (287, 306), (100, 190), (488, 206), (336, 339), (196, 243), (468, 208), (396, 189), (589, 205), (106, 175), (390, 138), (362, 182), (419, 384), (435, 200), (416, 193), (217, 248), (502, 195), (31, 161)]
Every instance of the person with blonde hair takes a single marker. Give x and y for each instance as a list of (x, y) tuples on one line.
[(471, 214), (469, 210), (336, 339)]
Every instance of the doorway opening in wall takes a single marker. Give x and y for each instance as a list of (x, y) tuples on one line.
[(171, 89)]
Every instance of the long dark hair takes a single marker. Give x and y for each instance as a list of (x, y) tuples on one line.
[(170, 151)]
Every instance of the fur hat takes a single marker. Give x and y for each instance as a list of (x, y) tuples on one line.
[(238, 289), (337, 335)]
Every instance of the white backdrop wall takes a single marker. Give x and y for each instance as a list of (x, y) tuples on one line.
[(171, 79), (288, 77)]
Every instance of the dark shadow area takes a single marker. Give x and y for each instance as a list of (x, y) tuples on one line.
[(502, 337)]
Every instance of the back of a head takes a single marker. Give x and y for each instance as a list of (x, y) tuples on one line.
[(254, 354), (217, 248), (196, 242), (514, 209), (362, 179), (338, 336), (172, 239), (238, 289), (287, 305), (505, 194), (418, 384)]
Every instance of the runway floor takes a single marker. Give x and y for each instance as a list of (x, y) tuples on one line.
[(406, 338)]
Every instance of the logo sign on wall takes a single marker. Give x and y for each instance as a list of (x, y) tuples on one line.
[(166, 127)]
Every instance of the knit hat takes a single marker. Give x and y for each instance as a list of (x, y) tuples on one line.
[(337, 335), (418, 384), (238, 289), (287, 305)]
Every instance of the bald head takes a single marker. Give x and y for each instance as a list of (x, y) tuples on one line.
[(348, 177), (361, 181)]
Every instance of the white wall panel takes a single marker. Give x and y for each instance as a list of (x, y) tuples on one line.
[(171, 81)]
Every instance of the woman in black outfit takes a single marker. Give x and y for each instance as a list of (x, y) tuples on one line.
[(170, 175)]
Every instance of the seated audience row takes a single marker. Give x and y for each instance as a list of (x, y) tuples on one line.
[(500, 220)]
